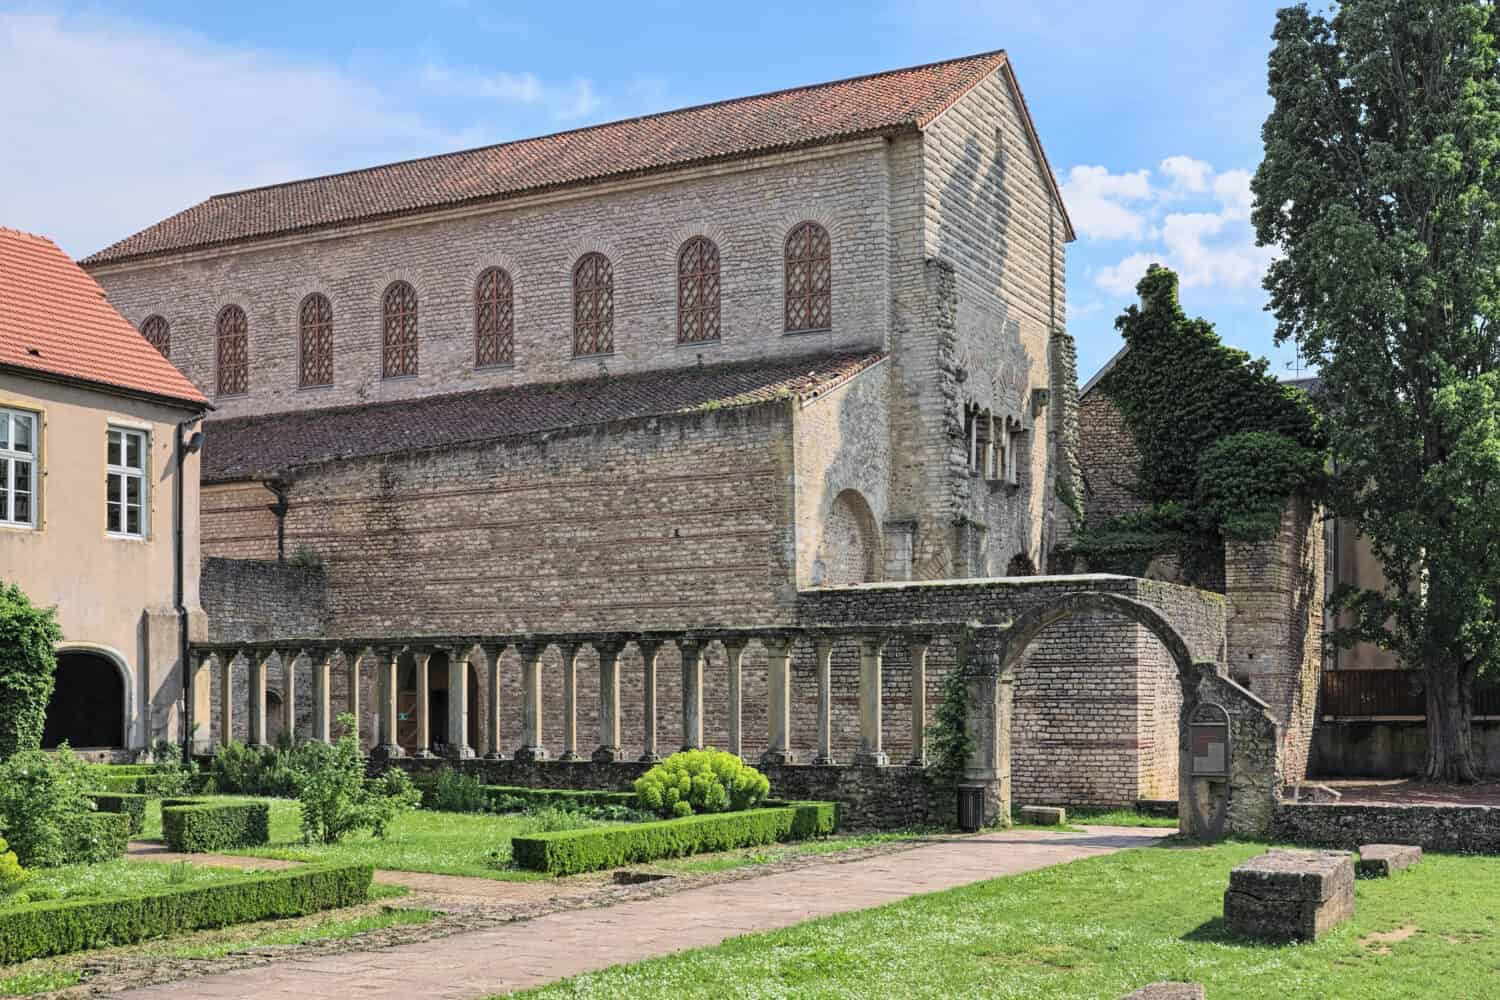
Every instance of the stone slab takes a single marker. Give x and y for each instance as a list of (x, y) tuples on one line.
[(1168, 991), (1311, 876), (1285, 919), (1044, 815), (1384, 860)]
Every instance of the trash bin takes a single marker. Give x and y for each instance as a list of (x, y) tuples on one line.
[(970, 808)]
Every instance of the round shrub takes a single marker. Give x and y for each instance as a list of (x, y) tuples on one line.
[(12, 875), (700, 781)]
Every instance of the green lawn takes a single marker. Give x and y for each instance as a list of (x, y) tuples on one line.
[(770, 853), (116, 878), (1099, 928)]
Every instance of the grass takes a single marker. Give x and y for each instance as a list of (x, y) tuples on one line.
[(117, 878), (770, 854), (1119, 817), (1099, 928), (26, 984), (328, 930)]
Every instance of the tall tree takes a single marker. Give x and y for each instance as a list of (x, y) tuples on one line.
[(1381, 186)]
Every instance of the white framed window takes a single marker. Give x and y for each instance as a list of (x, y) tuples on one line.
[(125, 499), (18, 467)]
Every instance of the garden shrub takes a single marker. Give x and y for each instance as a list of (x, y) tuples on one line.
[(171, 771), (131, 805), (35, 930), (91, 838), (452, 790), (28, 667), (158, 785), (245, 770), (700, 781), (337, 799), (573, 851), (41, 794), (518, 798), (12, 875), (199, 826)]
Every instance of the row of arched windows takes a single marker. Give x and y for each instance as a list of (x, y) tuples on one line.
[(808, 307)]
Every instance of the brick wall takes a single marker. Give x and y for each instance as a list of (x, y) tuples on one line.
[(250, 599), (1107, 457)]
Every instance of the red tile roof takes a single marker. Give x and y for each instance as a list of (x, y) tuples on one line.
[(55, 322), (273, 446), (901, 100)]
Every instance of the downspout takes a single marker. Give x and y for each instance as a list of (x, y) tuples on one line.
[(183, 447)]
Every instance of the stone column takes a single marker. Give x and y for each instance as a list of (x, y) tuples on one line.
[(692, 692), (458, 703), (916, 647), (259, 665), (648, 700), (289, 694), (871, 650), (988, 715), (610, 655), (388, 663), (531, 702), (351, 662), (322, 703), (492, 736), (199, 726), (226, 696), (422, 658), (570, 654), (779, 693), (734, 653), (823, 649)]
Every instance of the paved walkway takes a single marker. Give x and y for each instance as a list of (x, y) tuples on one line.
[(565, 944)]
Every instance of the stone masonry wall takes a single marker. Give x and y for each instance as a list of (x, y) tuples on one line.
[(252, 599), (1108, 458), (747, 208), (1457, 829)]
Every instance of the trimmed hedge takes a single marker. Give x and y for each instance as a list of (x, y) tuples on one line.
[(572, 851), (36, 930), (200, 826), (150, 784), (129, 804), (562, 797), (95, 837)]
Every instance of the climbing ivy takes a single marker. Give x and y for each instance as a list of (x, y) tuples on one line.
[(28, 636), (1222, 443), (948, 741)]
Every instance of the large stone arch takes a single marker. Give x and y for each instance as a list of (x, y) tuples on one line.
[(850, 552), (95, 702), (1238, 803)]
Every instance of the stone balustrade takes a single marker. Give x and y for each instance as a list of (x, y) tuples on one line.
[(212, 660)]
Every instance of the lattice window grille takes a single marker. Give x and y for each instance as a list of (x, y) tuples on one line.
[(400, 341), (494, 319), (809, 297), (233, 352), (593, 306), (316, 342), (698, 292)]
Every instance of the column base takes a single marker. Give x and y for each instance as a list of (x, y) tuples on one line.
[(527, 754), (872, 758), (824, 760), (424, 755), (778, 757), (494, 755), (387, 751), (570, 756), (460, 753), (918, 761), (649, 757), (607, 755)]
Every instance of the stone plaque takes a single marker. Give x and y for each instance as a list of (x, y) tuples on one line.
[(1208, 736)]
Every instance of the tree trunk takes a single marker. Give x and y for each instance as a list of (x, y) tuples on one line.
[(1450, 707)]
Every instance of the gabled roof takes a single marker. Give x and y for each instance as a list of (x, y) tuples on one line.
[(274, 446), (903, 100), (56, 324)]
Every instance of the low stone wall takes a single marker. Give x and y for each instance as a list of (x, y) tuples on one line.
[(1466, 829), (871, 797), (1390, 748)]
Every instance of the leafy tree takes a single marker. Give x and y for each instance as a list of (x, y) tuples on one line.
[(28, 665), (336, 798), (1381, 186)]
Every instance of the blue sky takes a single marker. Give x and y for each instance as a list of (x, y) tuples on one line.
[(117, 116)]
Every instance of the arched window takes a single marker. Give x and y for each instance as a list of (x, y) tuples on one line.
[(158, 334), (698, 291), (315, 341), (233, 352), (809, 299), (400, 310), (593, 306), (494, 319)]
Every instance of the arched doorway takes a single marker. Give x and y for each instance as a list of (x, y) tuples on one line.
[(88, 705)]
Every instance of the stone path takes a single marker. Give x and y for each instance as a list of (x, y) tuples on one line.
[(548, 948)]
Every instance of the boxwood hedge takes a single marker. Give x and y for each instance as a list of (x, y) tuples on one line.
[(94, 837), (35, 930), (561, 797), (152, 784), (202, 825), (573, 851), (129, 804)]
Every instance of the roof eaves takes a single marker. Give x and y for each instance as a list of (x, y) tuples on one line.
[(114, 389)]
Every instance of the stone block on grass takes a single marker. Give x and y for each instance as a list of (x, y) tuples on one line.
[(1384, 860), (1290, 895), (1044, 815), (1168, 991)]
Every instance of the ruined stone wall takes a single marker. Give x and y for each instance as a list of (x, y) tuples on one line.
[(747, 208), (1108, 459), (1456, 829)]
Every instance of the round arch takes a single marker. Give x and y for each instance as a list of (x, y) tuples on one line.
[(1029, 624), (91, 698), (850, 551)]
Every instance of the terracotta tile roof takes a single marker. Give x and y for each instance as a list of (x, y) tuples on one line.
[(244, 448), (54, 321), (880, 104)]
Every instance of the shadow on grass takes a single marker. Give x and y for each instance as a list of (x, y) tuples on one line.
[(1216, 931)]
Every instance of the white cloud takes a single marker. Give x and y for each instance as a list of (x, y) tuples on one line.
[(1205, 255), (1097, 202), (564, 103), (1187, 174), (1232, 188), (1122, 278)]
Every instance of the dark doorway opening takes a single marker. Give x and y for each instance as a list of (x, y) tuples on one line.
[(88, 703)]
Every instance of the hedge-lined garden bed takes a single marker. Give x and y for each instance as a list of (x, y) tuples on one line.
[(156, 785), (573, 851), (127, 804), (97, 836), (35, 930), (205, 825)]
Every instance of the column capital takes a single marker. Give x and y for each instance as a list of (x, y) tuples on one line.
[(777, 644), (873, 642), (610, 647)]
